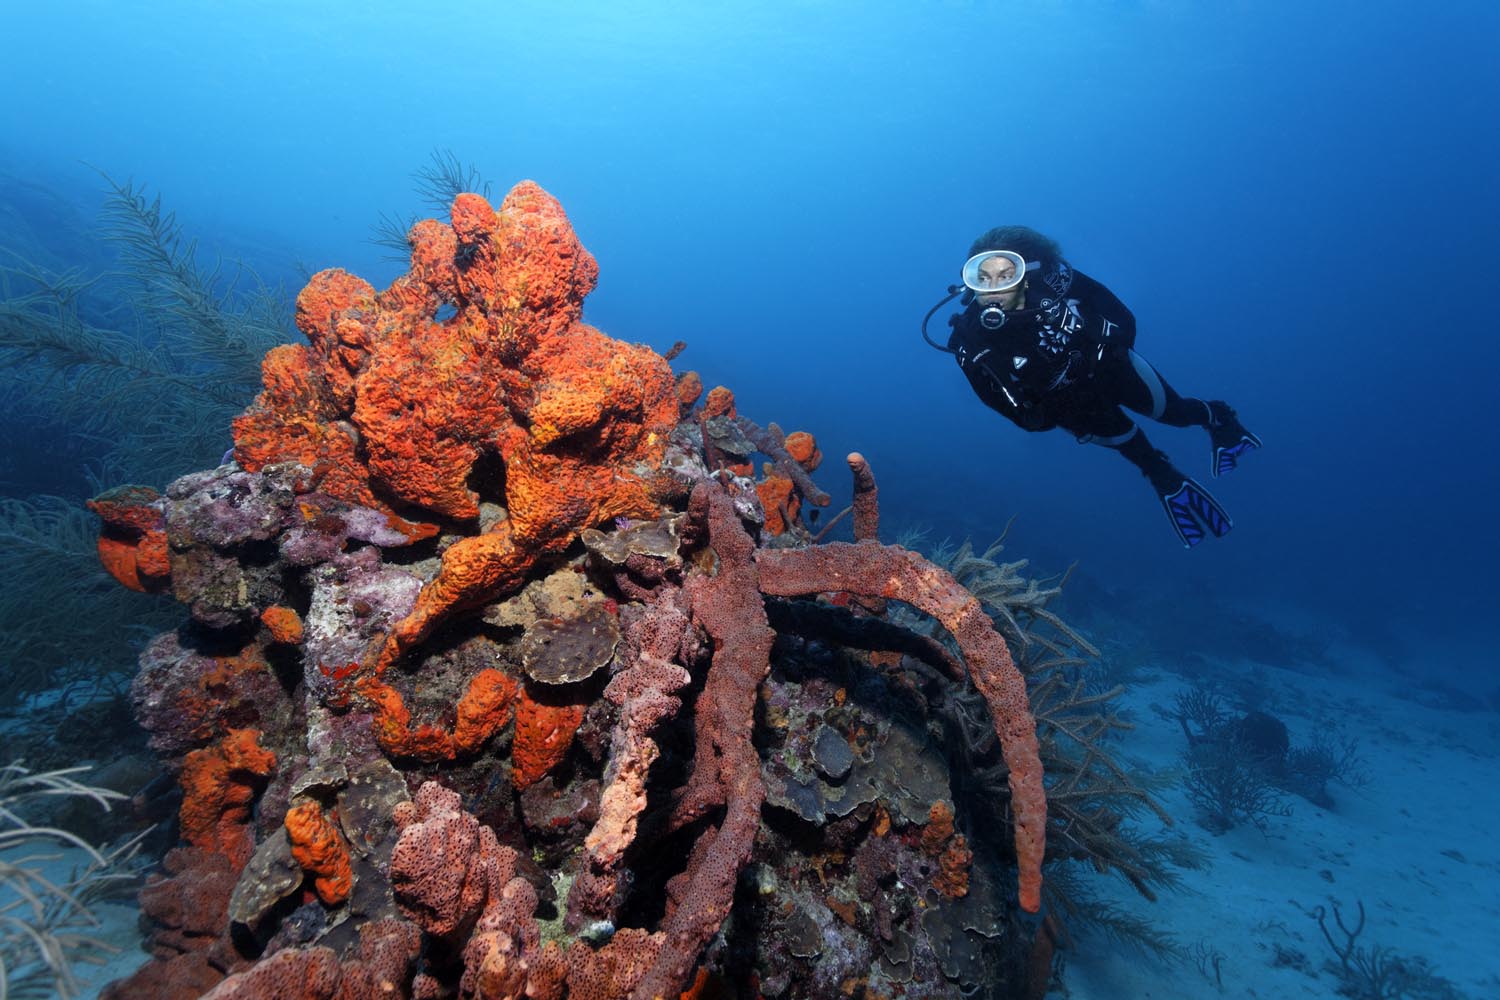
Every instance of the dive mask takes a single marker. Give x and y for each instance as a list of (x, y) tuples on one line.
[(994, 272)]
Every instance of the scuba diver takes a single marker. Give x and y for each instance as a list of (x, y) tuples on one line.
[(1048, 346)]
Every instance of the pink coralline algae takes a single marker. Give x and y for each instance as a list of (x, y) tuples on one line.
[(500, 679)]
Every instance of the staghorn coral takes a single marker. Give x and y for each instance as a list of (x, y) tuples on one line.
[(443, 446)]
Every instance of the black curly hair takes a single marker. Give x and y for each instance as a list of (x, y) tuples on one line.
[(1024, 240)]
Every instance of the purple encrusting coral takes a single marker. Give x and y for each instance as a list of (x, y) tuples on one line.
[(354, 599)]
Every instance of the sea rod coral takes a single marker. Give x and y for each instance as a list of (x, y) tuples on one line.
[(486, 612)]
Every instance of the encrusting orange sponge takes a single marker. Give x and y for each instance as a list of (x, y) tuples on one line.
[(544, 734), (283, 623), (219, 785), (779, 500), (803, 448), (133, 542), (319, 848)]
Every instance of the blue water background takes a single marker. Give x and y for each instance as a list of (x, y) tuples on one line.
[(1295, 199)]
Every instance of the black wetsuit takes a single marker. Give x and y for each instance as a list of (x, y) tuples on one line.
[(1066, 359)]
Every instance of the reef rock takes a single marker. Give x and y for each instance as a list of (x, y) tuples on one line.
[(487, 685)]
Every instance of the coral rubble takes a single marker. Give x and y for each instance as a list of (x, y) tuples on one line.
[(504, 676)]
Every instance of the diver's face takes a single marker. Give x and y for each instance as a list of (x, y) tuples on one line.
[(998, 271)]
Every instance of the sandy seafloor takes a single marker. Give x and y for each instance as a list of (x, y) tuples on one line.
[(1417, 843)]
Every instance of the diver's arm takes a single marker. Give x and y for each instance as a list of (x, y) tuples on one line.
[(974, 348), (991, 391), (1103, 303)]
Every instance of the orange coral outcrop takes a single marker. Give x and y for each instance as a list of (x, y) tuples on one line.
[(393, 729), (472, 569), (778, 498), (939, 828), (425, 398), (708, 986), (601, 414), (689, 390), (284, 624), (545, 728), (719, 403), (951, 848), (295, 419), (133, 542), (803, 448), (219, 785), (484, 710), (319, 848), (331, 311), (952, 879), (475, 354)]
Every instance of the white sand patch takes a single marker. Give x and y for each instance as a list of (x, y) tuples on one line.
[(120, 928), (116, 923), (1416, 844)]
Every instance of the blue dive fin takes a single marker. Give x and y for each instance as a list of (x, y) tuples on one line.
[(1192, 510), (1227, 455)]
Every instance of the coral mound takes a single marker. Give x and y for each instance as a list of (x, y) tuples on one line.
[(477, 352), (505, 677)]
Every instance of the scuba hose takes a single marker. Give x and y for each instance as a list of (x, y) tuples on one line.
[(953, 292), (991, 317)]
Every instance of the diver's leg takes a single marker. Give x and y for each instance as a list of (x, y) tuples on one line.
[(1137, 384), (1227, 436), (1190, 508)]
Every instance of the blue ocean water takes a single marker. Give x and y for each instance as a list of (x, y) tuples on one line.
[(1293, 199), (1296, 201)]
